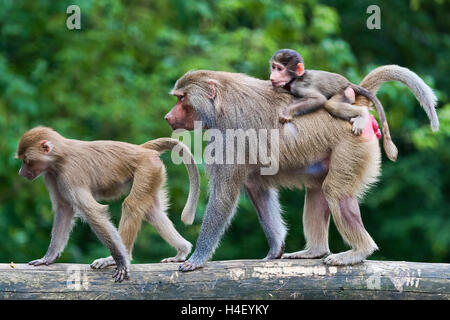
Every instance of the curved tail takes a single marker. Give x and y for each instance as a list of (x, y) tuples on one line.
[(163, 144), (388, 145), (423, 93)]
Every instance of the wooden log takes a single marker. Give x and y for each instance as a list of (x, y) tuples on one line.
[(237, 279)]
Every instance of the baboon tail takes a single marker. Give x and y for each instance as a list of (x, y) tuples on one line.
[(164, 144), (423, 93), (389, 147)]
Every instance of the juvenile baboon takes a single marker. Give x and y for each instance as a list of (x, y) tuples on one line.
[(79, 173), (345, 164)]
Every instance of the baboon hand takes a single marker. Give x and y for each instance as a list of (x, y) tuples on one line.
[(284, 119), (45, 260), (122, 273)]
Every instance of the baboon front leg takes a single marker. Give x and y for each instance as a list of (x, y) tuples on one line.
[(269, 214), (109, 236), (220, 209), (316, 218), (62, 223), (98, 219), (130, 223)]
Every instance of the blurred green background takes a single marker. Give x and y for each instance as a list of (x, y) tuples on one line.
[(110, 80)]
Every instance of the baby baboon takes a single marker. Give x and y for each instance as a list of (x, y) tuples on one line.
[(314, 89)]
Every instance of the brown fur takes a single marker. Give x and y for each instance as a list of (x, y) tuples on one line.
[(79, 173)]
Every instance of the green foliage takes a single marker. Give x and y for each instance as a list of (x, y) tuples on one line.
[(110, 81)]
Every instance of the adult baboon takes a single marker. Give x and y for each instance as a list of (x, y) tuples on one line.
[(344, 165)]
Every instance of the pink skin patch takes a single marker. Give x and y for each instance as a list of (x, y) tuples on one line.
[(350, 212), (371, 129)]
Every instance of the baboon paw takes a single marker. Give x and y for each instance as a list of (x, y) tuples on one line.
[(305, 254), (43, 261), (272, 256), (284, 119), (189, 266), (173, 259), (344, 258), (359, 124), (102, 263), (275, 254), (121, 273)]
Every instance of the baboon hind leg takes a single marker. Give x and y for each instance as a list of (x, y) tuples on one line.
[(339, 188), (157, 217), (316, 218), (339, 107)]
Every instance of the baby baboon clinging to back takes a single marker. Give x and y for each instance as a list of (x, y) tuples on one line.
[(315, 89), (79, 173)]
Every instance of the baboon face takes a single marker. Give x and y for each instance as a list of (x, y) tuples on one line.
[(35, 151), (31, 169), (182, 115), (279, 75)]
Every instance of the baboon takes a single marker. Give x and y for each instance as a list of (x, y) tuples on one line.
[(79, 173), (314, 89), (347, 164)]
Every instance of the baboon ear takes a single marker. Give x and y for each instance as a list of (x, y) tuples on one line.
[(46, 146), (300, 69), (213, 96), (213, 83)]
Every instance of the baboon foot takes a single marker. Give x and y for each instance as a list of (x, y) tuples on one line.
[(103, 263), (189, 266), (174, 259), (284, 119), (306, 254), (181, 255), (275, 253), (346, 258), (359, 123)]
